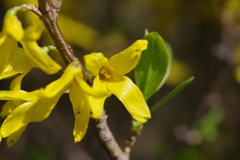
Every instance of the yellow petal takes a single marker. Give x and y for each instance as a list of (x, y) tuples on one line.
[(14, 137), (129, 94), (19, 64), (13, 27), (16, 95), (97, 94), (37, 109), (97, 102), (63, 83), (7, 52), (94, 62), (7, 109), (39, 58), (16, 82), (33, 32), (15, 120), (126, 60), (3, 36), (81, 110), (98, 89), (96, 105)]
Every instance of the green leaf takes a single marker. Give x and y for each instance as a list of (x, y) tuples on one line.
[(152, 68), (169, 66), (172, 94)]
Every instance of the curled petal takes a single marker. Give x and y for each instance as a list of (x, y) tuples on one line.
[(39, 58), (81, 110), (7, 51), (130, 95), (14, 137), (126, 60), (19, 64), (94, 62), (13, 27)]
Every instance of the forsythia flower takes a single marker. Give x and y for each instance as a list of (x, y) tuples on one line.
[(110, 79), (37, 105)]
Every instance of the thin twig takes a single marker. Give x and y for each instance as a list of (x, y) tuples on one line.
[(131, 141), (34, 9), (106, 139)]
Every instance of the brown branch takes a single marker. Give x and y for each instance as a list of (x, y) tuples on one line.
[(49, 16), (106, 139), (131, 141)]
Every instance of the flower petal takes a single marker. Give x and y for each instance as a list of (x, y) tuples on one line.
[(16, 82), (7, 109), (7, 52), (19, 64), (14, 137), (38, 109), (13, 27), (63, 83), (34, 31), (94, 62), (96, 105), (126, 60), (16, 95), (3, 36), (15, 120), (130, 95), (39, 58), (81, 110), (97, 102)]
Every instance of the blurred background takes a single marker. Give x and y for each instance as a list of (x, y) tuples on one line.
[(202, 122)]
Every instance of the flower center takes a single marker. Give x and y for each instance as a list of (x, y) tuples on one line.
[(106, 73)]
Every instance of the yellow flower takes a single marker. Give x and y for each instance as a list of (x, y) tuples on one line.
[(109, 78), (25, 107)]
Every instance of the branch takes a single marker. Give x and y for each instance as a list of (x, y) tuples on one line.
[(49, 10), (106, 139), (134, 133)]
